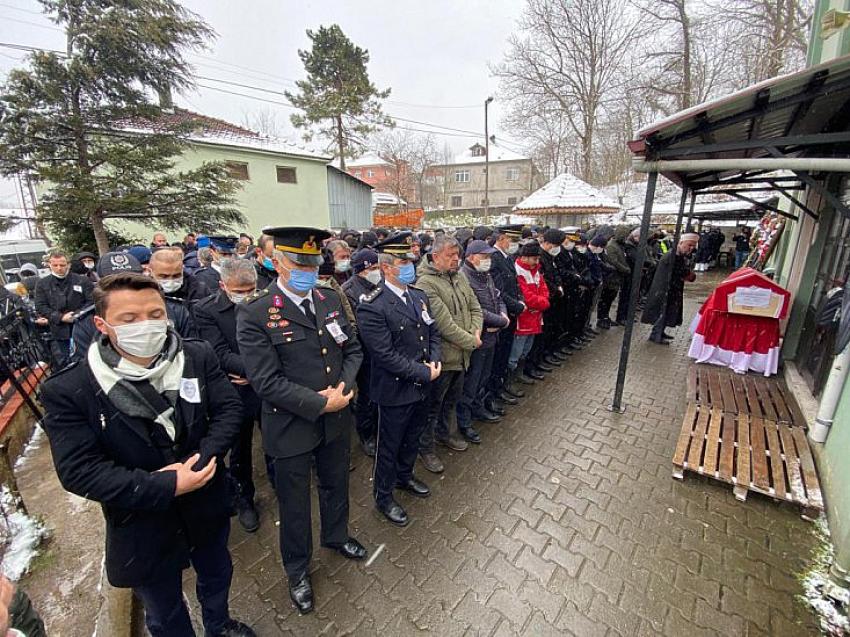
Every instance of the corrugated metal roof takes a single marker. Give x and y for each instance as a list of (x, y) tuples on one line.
[(566, 193)]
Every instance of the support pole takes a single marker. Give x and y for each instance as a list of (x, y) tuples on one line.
[(617, 404), (691, 211)]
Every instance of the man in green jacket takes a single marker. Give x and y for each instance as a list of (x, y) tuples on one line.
[(459, 320)]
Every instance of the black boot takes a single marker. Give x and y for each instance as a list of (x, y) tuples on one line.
[(494, 405), (508, 398)]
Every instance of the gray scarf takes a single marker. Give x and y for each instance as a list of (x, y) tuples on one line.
[(150, 392)]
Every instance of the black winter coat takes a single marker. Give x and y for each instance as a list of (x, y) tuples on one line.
[(504, 276), (492, 305), (54, 297), (105, 456)]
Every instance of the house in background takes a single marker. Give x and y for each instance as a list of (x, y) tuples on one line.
[(383, 175), (458, 187), (283, 183), (349, 200)]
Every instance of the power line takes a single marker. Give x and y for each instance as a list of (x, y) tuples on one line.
[(33, 24), (22, 10)]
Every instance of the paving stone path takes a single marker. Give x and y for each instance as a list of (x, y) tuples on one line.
[(565, 521)]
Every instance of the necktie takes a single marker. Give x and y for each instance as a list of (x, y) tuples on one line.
[(409, 302), (308, 312)]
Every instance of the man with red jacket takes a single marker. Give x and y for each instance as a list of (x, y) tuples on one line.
[(536, 296)]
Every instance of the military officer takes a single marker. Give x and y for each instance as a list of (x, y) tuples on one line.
[(396, 328), (220, 248), (301, 357)]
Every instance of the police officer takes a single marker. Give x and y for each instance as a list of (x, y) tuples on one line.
[(367, 276), (85, 330), (216, 319), (220, 248), (397, 329), (166, 267), (301, 357)]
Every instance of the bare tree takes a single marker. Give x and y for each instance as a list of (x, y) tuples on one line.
[(263, 121), (572, 53)]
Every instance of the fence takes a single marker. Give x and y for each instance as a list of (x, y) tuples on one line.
[(24, 356)]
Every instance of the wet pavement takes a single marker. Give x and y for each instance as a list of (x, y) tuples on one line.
[(565, 520)]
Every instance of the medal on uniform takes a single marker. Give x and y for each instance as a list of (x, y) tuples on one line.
[(273, 310), (271, 324), (282, 323), (277, 300)]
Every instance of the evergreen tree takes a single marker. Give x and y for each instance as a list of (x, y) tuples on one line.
[(84, 123), (337, 95)]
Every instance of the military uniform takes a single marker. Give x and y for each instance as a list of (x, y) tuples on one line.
[(289, 357), (400, 337), (504, 276)]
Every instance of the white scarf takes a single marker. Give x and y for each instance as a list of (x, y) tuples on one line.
[(527, 275)]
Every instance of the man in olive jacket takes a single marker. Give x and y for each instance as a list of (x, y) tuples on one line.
[(459, 321)]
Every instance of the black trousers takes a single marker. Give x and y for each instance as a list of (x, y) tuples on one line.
[(471, 402), (442, 410), (165, 609), (399, 428), (365, 411), (60, 352), (623, 301), (606, 300), (292, 485), (501, 355), (241, 458)]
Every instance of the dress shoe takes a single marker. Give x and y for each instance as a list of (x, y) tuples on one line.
[(535, 374), (486, 416), (560, 356), (248, 517), (591, 332), (526, 379), (669, 337), (619, 323), (301, 594), (415, 487), (455, 443), (544, 367), (565, 351), (394, 513), (659, 341), (471, 435), (495, 406), (432, 462), (508, 398), (233, 628), (550, 359), (351, 549), (369, 447), (603, 324)]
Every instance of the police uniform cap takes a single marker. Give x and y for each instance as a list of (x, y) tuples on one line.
[(363, 259), (117, 263), (301, 244), (398, 245), (514, 231), (222, 244)]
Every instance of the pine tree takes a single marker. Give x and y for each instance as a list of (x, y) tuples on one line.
[(86, 125), (337, 95)]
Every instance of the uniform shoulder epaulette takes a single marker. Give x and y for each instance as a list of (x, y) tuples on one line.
[(367, 298), (324, 283), (258, 294), (178, 301), (413, 287)]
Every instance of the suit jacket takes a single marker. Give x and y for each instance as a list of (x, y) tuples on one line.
[(289, 359), (399, 341), (54, 297), (103, 455), (216, 320), (209, 277)]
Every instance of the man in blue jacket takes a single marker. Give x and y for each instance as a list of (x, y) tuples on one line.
[(396, 328)]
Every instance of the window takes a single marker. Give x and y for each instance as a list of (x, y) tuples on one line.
[(286, 175), (237, 170), (478, 150), (370, 173), (483, 202), (511, 201), (462, 176), (357, 174), (513, 174), (457, 201)]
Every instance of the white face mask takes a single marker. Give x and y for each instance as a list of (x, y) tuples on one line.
[(143, 338), (569, 245), (513, 248), (88, 265), (555, 251), (581, 249), (60, 276), (171, 285), (343, 265), (595, 249), (484, 265), (237, 298), (373, 276)]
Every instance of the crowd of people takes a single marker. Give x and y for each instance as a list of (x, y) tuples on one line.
[(167, 357)]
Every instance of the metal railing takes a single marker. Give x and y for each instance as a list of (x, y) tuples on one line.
[(24, 355)]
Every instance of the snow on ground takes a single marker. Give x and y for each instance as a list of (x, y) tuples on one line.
[(830, 602), (20, 536), (34, 443)]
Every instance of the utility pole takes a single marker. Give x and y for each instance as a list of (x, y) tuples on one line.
[(486, 162)]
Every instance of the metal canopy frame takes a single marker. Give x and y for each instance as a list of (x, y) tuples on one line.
[(808, 141)]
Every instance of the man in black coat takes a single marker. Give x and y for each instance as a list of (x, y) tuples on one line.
[(404, 363), (301, 357), (166, 267), (367, 276), (504, 276), (665, 301), (85, 329), (58, 297), (141, 426), (220, 248), (216, 319), (262, 259)]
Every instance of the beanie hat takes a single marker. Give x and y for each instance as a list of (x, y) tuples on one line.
[(530, 249), (555, 236)]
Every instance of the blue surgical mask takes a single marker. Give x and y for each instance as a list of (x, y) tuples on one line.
[(407, 273), (267, 264), (303, 280)]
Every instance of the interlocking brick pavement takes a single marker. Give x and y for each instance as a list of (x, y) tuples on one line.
[(566, 520)]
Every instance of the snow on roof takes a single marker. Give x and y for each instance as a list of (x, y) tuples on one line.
[(369, 159), (386, 199), (497, 153), (567, 192), (211, 130)]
